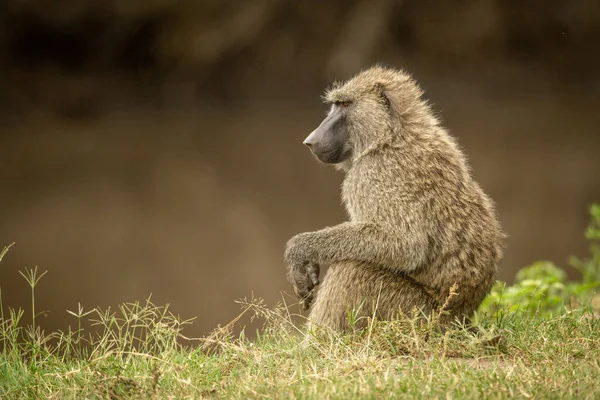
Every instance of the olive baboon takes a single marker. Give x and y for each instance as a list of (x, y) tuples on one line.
[(419, 223)]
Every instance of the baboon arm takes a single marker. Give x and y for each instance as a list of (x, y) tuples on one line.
[(362, 242)]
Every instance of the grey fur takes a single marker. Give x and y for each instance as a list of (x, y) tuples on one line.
[(418, 222)]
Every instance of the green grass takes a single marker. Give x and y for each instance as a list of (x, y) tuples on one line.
[(138, 351), (539, 338)]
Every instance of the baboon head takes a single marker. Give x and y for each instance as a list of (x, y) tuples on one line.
[(364, 113)]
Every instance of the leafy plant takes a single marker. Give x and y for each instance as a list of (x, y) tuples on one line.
[(542, 288)]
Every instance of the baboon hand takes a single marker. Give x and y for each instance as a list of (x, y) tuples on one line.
[(302, 274), (304, 278)]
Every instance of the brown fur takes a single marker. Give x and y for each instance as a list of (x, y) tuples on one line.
[(418, 224)]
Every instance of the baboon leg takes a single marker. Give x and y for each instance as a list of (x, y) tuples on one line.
[(361, 289)]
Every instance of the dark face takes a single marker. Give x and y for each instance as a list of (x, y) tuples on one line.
[(330, 142)]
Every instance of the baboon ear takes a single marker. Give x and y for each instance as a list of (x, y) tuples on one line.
[(388, 97)]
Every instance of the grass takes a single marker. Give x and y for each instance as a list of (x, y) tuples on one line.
[(539, 338), (138, 351)]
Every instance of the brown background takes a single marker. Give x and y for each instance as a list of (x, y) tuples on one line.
[(155, 146)]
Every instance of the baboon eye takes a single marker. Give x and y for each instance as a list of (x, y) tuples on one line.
[(342, 103)]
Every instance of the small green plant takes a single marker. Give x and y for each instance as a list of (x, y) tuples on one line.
[(590, 267), (542, 288)]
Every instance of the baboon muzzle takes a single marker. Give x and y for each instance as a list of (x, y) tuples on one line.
[(329, 142)]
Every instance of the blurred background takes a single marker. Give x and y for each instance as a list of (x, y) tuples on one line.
[(155, 146)]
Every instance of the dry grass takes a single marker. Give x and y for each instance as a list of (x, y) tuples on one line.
[(138, 351)]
